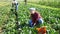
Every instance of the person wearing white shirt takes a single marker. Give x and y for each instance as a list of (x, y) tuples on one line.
[(15, 4)]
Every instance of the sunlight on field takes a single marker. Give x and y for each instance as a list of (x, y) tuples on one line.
[(3, 4), (45, 6)]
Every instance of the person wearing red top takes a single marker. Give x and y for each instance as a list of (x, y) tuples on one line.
[(35, 17)]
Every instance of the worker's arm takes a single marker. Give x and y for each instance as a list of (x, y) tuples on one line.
[(17, 3), (39, 16)]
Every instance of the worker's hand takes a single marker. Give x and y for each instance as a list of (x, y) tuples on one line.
[(45, 33), (34, 24)]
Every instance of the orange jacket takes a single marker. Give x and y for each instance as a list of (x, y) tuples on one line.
[(41, 30)]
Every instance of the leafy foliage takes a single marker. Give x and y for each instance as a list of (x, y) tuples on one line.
[(50, 16)]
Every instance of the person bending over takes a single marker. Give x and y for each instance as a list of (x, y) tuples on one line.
[(35, 18)]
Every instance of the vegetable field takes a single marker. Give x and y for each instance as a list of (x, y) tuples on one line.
[(50, 14)]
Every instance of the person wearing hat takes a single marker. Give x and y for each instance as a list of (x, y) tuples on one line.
[(15, 4), (35, 18)]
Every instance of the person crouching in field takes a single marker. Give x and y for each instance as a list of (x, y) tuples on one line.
[(14, 5), (35, 18)]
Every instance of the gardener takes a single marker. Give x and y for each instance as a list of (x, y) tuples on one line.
[(35, 18), (15, 4), (15, 8)]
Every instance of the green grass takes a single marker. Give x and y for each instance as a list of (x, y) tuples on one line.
[(51, 3), (49, 14)]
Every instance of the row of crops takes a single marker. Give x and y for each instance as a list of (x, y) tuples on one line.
[(51, 3), (7, 20)]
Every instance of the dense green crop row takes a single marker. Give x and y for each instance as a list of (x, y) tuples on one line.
[(50, 3)]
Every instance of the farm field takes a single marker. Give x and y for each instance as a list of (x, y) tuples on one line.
[(50, 14)]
